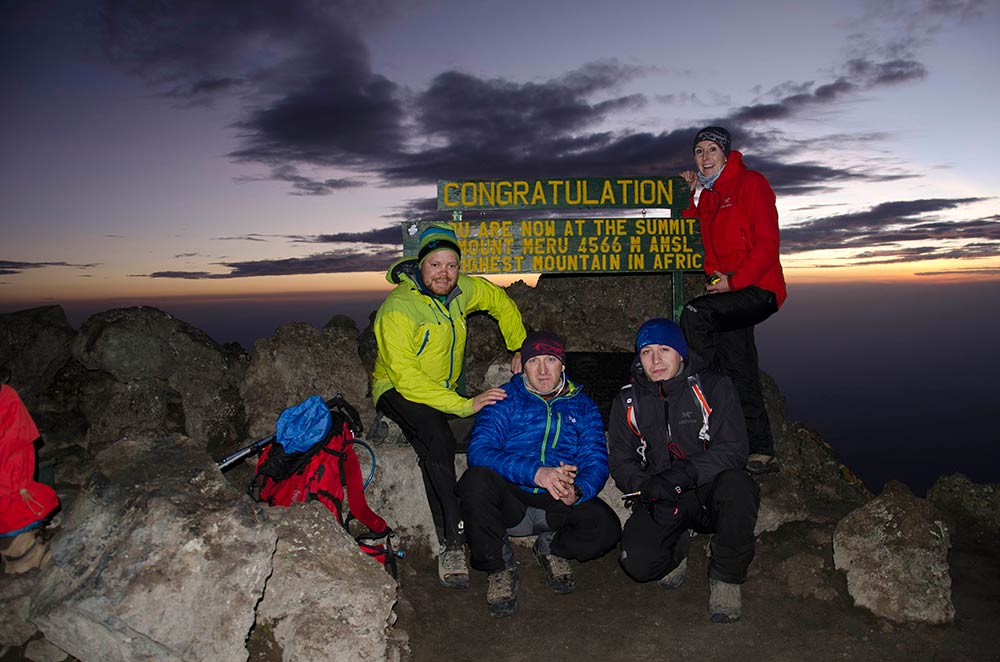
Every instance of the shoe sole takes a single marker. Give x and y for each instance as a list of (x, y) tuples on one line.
[(455, 581), (760, 469)]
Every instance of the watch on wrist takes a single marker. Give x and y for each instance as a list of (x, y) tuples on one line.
[(578, 492)]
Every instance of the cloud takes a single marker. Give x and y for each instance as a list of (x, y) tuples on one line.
[(302, 184), (391, 235), (979, 271), (897, 232), (245, 237), (338, 261), (9, 267)]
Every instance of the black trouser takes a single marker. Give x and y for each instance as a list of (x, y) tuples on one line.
[(720, 328), (491, 505), (430, 433), (655, 539)]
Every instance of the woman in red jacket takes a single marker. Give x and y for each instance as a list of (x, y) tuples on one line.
[(739, 229)]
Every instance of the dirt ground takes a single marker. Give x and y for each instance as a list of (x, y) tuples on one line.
[(610, 617)]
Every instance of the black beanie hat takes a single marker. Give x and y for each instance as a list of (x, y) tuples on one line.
[(717, 135)]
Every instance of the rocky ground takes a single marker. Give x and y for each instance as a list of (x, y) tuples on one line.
[(610, 617)]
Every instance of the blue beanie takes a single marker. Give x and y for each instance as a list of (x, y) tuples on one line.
[(660, 331), (436, 236)]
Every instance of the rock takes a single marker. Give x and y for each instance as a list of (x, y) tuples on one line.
[(34, 345), (894, 551), (300, 361), (806, 576), (598, 313), (780, 503), (397, 494), (41, 650), (973, 508), (385, 431), (157, 558), (160, 368), (15, 596), (348, 618)]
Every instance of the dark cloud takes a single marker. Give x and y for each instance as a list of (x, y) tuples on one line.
[(9, 267), (311, 100), (392, 236), (887, 223), (245, 237), (303, 185), (874, 74), (339, 261), (897, 232)]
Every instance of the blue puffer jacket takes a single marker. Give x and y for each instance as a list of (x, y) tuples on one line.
[(521, 433)]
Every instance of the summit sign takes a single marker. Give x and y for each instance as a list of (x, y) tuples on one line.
[(570, 193)]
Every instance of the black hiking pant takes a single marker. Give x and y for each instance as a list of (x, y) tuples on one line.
[(432, 436), (491, 505), (720, 328), (655, 539)]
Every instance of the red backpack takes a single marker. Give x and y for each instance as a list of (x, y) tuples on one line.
[(326, 470)]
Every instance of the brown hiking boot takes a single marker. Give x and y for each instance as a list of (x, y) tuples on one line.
[(724, 601), (453, 570), (558, 571), (759, 463), (501, 593), (24, 552), (675, 577)]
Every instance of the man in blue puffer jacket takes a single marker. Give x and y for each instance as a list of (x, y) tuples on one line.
[(537, 460)]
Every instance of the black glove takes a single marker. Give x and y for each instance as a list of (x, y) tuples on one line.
[(667, 486)]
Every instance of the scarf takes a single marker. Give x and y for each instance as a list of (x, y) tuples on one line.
[(707, 182)]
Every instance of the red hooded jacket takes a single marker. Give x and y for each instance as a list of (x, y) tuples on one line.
[(739, 228), (23, 501)]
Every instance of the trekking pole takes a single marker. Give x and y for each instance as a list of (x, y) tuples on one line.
[(247, 451)]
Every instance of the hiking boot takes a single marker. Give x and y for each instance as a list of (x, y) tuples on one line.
[(724, 601), (558, 572), (501, 593), (24, 552), (675, 577), (453, 571), (759, 463)]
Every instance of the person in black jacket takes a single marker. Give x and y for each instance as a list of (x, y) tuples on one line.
[(677, 446)]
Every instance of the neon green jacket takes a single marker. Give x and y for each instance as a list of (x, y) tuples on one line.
[(421, 339)]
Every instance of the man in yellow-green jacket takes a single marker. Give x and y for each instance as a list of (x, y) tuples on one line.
[(421, 331)]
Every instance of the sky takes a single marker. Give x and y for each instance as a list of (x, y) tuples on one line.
[(261, 155)]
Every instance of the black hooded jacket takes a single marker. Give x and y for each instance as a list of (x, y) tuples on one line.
[(669, 415)]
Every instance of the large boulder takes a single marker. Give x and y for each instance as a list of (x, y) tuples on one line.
[(157, 558), (397, 494), (894, 551), (325, 599), (15, 596), (300, 361), (151, 372), (599, 313), (972, 508), (34, 345)]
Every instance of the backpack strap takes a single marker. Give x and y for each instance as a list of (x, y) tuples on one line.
[(632, 421), (338, 403), (694, 381)]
